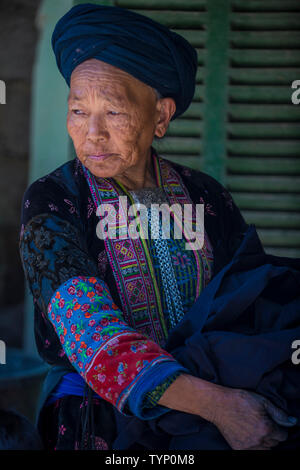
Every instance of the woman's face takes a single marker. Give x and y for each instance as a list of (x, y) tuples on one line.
[(113, 115)]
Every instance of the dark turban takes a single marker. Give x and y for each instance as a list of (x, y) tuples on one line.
[(132, 42)]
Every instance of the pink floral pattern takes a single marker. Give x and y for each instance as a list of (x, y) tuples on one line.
[(106, 352), (53, 207), (208, 208), (72, 208), (90, 207)]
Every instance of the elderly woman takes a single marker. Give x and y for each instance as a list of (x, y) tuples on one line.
[(104, 306)]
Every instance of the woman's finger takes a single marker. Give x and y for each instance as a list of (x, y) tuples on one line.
[(278, 435), (279, 416), (270, 442)]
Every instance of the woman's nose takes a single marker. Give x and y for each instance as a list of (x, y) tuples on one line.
[(97, 129)]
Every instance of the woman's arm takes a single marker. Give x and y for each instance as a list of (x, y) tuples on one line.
[(119, 363), (245, 419), (192, 395)]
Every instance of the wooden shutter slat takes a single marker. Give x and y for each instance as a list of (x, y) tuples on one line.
[(190, 19), (263, 130), (264, 76), (267, 201), (286, 251), (279, 237), (199, 91), (270, 148), (265, 57), (273, 219), (260, 94), (170, 145), (266, 21), (267, 166), (273, 184), (265, 39), (185, 128), (191, 161), (201, 56), (194, 111), (200, 74), (178, 5), (196, 37), (272, 112), (266, 5)]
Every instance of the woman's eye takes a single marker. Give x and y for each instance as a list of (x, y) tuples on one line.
[(114, 113), (77, 112)]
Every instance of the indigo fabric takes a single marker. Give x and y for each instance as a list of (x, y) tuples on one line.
[(132, 42), (238, 334)]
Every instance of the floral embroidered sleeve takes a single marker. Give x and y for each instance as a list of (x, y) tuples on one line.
[(119, 364), (116, 361)]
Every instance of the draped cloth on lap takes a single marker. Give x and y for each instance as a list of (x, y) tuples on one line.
[(239, 334)]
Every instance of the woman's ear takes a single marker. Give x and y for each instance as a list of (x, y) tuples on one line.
[(166, 108)]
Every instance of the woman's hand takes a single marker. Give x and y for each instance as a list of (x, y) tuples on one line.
[(249, 421), (245, 419)]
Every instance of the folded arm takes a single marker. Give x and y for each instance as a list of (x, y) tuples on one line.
[(120, 364)]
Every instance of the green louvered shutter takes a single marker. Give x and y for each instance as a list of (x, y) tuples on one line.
[(263, 126), (242, 127)]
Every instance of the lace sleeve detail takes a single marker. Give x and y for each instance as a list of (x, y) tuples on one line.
[(52, 251)]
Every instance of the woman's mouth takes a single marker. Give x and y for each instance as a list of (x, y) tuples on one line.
[(100, 157)]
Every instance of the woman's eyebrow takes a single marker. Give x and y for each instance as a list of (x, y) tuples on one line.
[(73, 98), (116, 100)]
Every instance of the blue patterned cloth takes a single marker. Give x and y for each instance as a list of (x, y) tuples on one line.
[(162, 255)]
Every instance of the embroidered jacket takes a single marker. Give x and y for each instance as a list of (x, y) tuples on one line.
[(100, 305)]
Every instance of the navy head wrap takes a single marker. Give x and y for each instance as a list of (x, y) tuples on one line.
[(132, 42)]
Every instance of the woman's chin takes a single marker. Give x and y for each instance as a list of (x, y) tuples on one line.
[(102, 169)]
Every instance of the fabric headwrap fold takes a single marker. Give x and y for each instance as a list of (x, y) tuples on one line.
[(147, 50)]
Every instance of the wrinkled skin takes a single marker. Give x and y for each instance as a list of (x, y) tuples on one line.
[(249, 421), (246, 419), (115, 113)]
